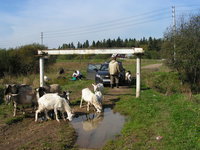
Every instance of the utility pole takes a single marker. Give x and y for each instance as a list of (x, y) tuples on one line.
[(174, 29), (42, 38)]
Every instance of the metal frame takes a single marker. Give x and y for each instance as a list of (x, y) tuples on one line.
[(136, 51)]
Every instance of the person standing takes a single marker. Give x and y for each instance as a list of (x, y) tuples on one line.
[(114, 71)]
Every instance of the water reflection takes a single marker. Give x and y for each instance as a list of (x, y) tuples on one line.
[(95, 129), (92, 121)]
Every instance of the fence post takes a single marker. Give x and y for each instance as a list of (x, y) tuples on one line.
[(41, 63), (138, 75)]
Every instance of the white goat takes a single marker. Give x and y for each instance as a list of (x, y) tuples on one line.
[(128, 77), (53, 101), (46, 78), (99, 96), (91, 98), (98, 87)]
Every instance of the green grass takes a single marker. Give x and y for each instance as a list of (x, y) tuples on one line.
[(164, 82), (173, 117), (6, 115)]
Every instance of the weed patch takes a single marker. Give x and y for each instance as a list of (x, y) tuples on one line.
[(164, 82)]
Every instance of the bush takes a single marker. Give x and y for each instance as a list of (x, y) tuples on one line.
[(164, 82), (22, 60), (152, 55), (1, 94)]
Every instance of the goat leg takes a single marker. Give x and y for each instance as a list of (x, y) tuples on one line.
[(88, 106), (46, 114), (56, 113), (15, 109), (36, 115), (81, 102), (63, 116)]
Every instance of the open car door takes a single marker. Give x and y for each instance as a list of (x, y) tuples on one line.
[(92, 70)]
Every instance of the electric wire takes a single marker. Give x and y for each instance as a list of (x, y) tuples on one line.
[(146, 15), (126, 22), (109, 28)]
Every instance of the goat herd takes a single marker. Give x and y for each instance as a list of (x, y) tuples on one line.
[(50, 97)]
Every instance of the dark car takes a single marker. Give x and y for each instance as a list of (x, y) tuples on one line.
[(102, 73)]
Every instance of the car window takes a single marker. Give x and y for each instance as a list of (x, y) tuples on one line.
[(104, 67), (121, 66), (93, 66)]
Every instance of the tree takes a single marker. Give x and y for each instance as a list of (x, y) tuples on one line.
[(79, 45), (22, 60), (185, 58), (86, 44), (93, 44)]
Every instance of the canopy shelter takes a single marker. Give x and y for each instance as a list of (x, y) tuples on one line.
[(138, 52)]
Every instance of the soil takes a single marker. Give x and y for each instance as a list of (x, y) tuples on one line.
[(28, 134)]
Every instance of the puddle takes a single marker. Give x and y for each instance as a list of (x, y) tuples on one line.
[(94, 130)]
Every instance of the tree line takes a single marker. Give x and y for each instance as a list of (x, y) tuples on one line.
[(151, 45)]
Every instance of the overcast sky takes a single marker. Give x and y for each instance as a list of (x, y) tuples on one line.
[(64, 21)]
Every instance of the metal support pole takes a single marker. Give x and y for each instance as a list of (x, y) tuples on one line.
[(42, 38), (41, 71), (138, 70), (174, 30)]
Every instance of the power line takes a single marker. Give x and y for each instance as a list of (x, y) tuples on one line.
[(77, 30), (127, 19), (109, 28), (123, 24)]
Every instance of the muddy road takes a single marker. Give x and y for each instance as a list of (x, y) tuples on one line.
[(27, 134)]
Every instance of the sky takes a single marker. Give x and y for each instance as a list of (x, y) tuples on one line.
[(64, 21)]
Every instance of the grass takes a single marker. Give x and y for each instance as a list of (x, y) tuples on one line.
[(5, 111), (174, 118), (6, 115)]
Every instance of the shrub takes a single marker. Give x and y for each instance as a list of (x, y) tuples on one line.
[(1, 93), (164, 82)]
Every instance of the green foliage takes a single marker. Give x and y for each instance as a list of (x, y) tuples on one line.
[(152, 54), (185, 58), (164, 82), (1, 93), (6, 113), (22, 60), (101, 56), (3, 60)]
